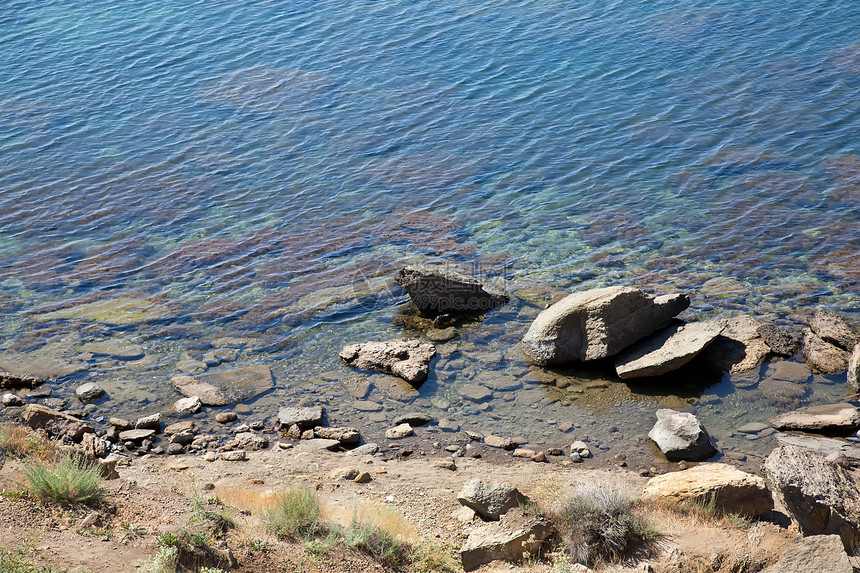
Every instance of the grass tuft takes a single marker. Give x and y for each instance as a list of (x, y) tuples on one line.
[(380, 544), (601, 525), (22, 442), (165, 561), (69, 480), (296, 514)]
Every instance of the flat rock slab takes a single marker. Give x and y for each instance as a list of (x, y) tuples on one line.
[(680, 436), (414, 419), (598, 323), (223, 388), (438, 289), (304, 418), (823, 553), (668, 349), (136, 435), (28, 370), (732, 490), (117, 311), (822, 446), (407, 358), (842, 418), (116, 349), (346, 436)]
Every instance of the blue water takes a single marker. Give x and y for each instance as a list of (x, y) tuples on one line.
[(249, 167)]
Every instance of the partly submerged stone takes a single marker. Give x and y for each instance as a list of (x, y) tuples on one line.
[(854, 370), (680, 436), (303, 417), (598, 323), (89, 392), (116, 349), (117, 311), (438, 289), (668, 349), (842, 418), (780, 341), (407, 358), (823, 356), (228, 387), (834, 329), (821, 497), (739, 347), (31, 369), (728, 488)]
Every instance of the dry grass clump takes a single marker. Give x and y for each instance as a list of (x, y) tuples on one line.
[(69, 480), (296, 514), (22, 442), (599, 524)]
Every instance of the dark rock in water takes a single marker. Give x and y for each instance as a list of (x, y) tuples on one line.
[(826, 419), (407, 358), (28, 370), (820, 496), (780, 342), (89, 392), (833, 329), (668, 349), (413, 419), (55, 423), (438, 290), (823, 356), (598, 323), (8, 380), (228, 387), (680, 436), (10, 399), (739, 347), (815, 553), (304, 418)]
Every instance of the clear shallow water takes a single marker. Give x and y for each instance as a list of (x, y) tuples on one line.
[(250, 169)]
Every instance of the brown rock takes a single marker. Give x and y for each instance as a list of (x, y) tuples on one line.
[(55, 423), (514, 537), (732, 490), (739, 347), (226, 417), (833, 329), (823, 553), (823, 356), (346, 436), (840, 418), (438, 289), (397, 432)]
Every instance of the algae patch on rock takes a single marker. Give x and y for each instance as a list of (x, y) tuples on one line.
[(122, 310)]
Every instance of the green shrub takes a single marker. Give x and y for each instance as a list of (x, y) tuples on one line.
[(598, 524), (69, 480), (296, 514), (165, 561)]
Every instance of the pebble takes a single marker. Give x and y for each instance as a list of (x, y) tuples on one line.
[(344, 474), (524, 453), (401, 431), (445, 464), (362, 477), (234, 456), (539, 457), (175, 448), (151, 422), (190, 405), (554, 452), (226, 417), (10, 399), (210, 456), (575, 457), (89, 392)]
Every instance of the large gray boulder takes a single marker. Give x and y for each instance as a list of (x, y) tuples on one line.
[(825, 447), (438, 289), (680, 436), (407, 358), (823, 553), (490, 500), (668, 349), (228, 387), (515, 537), (820, 496), (842, 418), (598, 323)]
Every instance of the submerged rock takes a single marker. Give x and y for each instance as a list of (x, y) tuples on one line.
[(89, 392), (116, 349), (840, 418), (229, 387), (730, 489), (668, 349), (407, 358), (439, 290), (680, 436), (820, 496), (598, 323)]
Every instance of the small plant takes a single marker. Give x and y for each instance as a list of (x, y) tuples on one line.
[(131, 530), (21, 442), (430, 556), (165, 561), (296, 514), (376, 542), (167, 539), (260, 545), (599, 524), (211, 570), (69, 480), (20, 560)]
